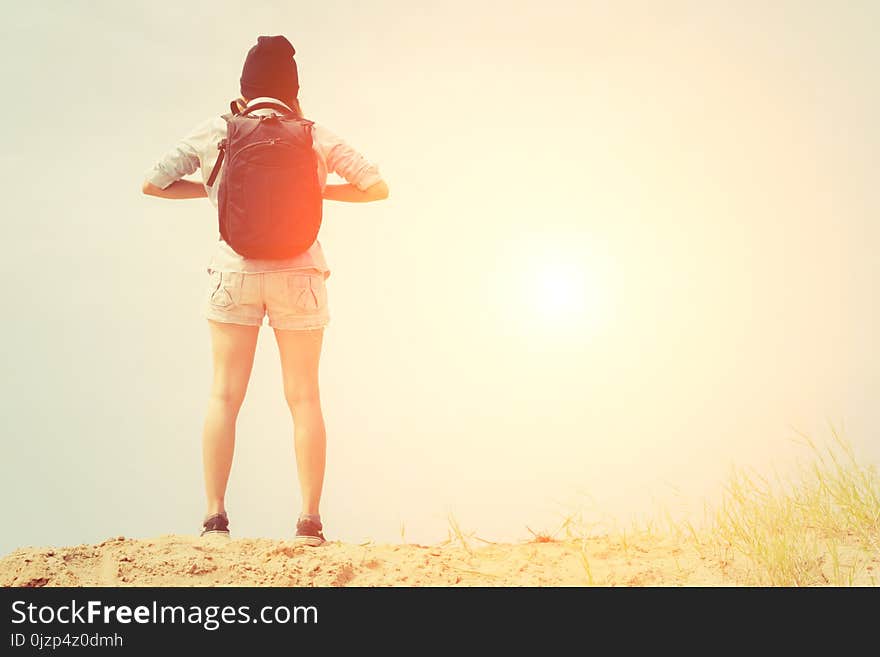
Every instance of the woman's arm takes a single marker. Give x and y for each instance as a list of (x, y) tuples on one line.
[(182, 189), (166, 178), (176, 190), (352, 194)]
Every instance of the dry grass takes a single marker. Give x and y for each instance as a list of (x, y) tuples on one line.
[(819, 526)]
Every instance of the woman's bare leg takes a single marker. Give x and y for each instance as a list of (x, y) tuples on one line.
[(233, 349), (300, 353)]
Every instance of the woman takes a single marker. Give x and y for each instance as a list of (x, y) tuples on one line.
[(242, 290)]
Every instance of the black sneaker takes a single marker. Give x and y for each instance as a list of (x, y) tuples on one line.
[(216, 525), (308, 533)]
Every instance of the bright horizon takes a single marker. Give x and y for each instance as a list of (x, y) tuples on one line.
[(626, 247)]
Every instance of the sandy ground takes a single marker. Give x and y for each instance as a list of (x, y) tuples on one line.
[(190, 561), (641, 560)]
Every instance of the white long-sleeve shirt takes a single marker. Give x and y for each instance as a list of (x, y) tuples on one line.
[(198, 150)]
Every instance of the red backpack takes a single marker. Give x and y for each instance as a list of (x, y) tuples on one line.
[(269, 199)]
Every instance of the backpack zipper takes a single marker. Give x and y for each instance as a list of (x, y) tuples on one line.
[(265, 142)]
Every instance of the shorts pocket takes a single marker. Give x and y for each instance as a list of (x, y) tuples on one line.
[(223, 287), (307, 292)]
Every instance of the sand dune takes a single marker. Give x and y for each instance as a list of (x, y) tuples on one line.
[(190, 561)]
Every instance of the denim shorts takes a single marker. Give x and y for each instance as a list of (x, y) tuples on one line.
[(294, 300)]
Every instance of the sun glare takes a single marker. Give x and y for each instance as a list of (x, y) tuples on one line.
[(562, 292)]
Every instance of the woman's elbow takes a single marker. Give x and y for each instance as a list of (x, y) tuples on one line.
[(379, 191)]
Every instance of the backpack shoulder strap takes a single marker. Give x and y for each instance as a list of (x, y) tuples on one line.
[(221, 147)]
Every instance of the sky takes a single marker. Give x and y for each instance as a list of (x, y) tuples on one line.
[(627, 247)]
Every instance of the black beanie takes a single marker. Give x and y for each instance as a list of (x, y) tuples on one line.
[(270, 70)]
